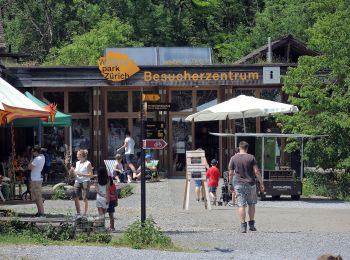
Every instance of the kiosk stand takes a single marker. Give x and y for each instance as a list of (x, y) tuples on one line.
[(196, 170)]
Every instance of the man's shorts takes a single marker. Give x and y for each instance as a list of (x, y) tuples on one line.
[(212, 189), (198, 183), (81, 189), (245, 195), (233, 183), (129, 158), (35, 190)]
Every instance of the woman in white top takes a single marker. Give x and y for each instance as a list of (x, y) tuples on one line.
[(102, 189), (83, 172)]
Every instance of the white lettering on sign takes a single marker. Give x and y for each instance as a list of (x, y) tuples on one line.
[(282, 187)]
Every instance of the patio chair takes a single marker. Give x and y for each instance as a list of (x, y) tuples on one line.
[(110, 166), (154, 174)]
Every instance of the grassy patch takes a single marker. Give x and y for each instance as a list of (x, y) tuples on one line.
[(126, 191), (335, 185), (137, 236), (59, 194)]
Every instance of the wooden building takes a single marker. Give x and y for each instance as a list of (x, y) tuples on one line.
[(102, 109)]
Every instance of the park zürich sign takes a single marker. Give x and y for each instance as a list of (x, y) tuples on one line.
[(116, 66)]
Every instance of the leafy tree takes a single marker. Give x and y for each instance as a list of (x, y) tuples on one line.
[(85, 49), (35, 26), (278, 18), (319, 86)]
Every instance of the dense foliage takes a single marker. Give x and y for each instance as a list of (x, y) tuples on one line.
[(319, 86)]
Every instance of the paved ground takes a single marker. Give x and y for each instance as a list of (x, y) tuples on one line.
[(287, 229)]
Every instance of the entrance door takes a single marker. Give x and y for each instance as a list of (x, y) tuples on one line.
[(209, 143), (181, 140)]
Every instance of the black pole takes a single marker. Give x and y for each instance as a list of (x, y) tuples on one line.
[(143, 179)]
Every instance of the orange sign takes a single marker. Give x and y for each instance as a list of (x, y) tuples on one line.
[(116, 66), (150, 97)]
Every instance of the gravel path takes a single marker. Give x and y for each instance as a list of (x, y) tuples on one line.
[(287, 229)]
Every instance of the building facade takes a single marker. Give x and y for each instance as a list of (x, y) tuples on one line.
[(102, 109)]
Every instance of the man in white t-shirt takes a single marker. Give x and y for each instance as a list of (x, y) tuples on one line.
[(36, 165), (129, 145)]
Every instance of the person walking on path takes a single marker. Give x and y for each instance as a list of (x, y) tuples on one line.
[(102, 190), (213, 175), (35, 166), (232, 180), (244, 167), (198, 183), (83, 172), (129, 145)]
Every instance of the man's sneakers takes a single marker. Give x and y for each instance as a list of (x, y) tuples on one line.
[(252, 225), (243, 227)]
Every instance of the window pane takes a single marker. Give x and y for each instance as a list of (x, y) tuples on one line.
[(81, 136), (117, 101), (79, 102), (206, 98), (136, 100), (55, 97), (116, 136), (268, 123), (54, 142), (136, 134), (273, 94), (182, 100)]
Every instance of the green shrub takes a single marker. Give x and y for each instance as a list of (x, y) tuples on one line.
[(57, 233), (335, 185), (59, 194), (145, 235), (125, 191), (94, 238)]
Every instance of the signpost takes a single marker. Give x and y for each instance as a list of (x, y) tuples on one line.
[(150, 97), (159, 107), (155, 129), (154, 144)]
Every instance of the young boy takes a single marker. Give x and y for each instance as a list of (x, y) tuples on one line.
[(213, 175)]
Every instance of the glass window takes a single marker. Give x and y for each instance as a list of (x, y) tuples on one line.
[(136, 134), (117, 101), (136, 100), (79, 102), (182, 141), (272, 94), (206, 98), (81, 135), (54, 142), (182, 100), (116, 134), (55, 97), (268, 123)]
